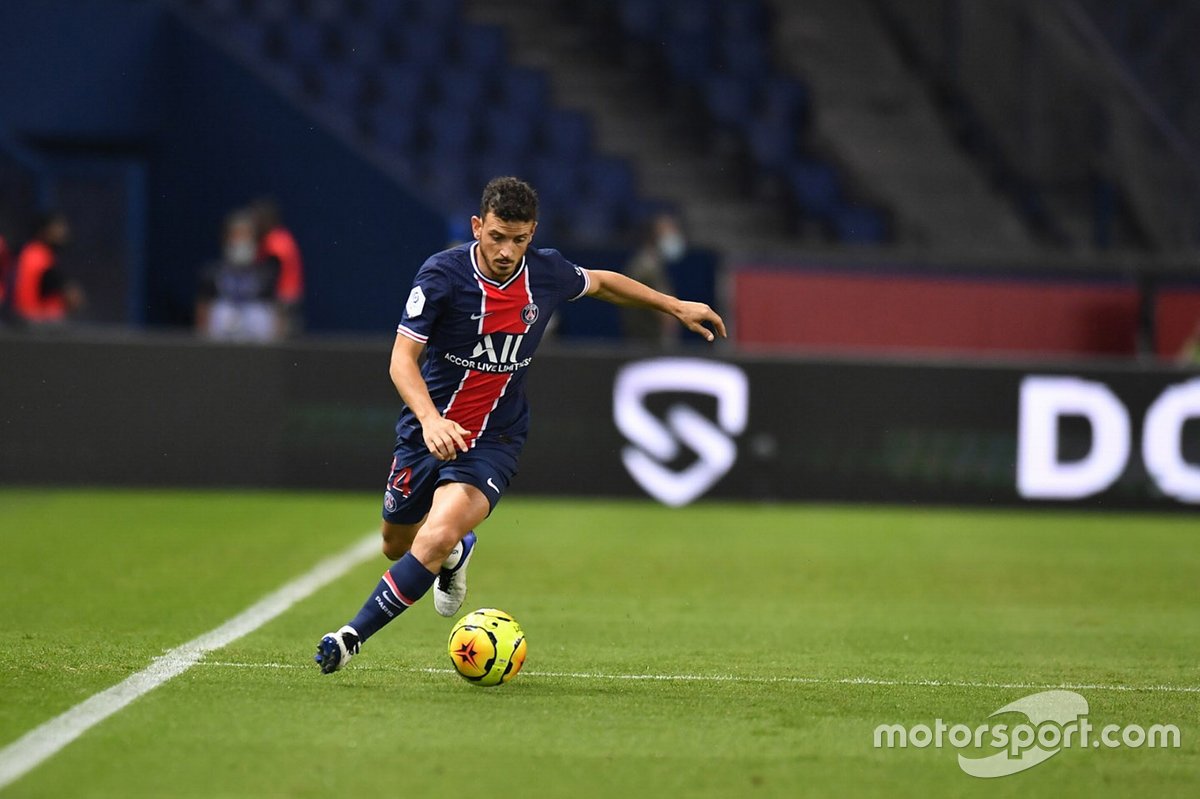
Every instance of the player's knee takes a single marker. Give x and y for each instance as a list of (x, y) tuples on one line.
[(395, 542), (437, 541)]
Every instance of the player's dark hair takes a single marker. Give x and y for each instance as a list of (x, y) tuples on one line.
[(510, 199)]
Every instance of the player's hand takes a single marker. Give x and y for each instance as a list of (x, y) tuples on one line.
[(694, 316), (444, 437)]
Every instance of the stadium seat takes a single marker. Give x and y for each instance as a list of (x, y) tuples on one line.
[(567, 134), (481, 47), (744, 56), (689, 57), (217, 9), (692, 17), (525, 89), (729, 99), (558, 181), (748, 17), (394, 129), (304, 41), (248, 35), (450, 182), (641, 19), (859, 224), (816, 187), (784, 98), (510, 131), (270, 10), (442, 14), (609, 180), (493, 164), (449, 132), (423, 45), (461, 87), (771, 142), (401, 86), (592, 222), (358, 42), (340, 85)]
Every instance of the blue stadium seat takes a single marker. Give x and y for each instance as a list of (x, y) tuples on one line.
[(592, 222), (744, 17), (482, 47), (609, 180), (641, 19), (450, 132), (689, 57), (341, 85), (402, 86), (525, 89), (772, 143), (692, 17), (567, 134), (744, 56), (784, 98), (395, 129), (859, 224), (557, 181), (248, 35), (270, 10), (424, 45), (449, 181), (729, 99), (511, 131), (461, 87), (443, 14), (304, 41), (358, 42), (489, 165), (217, 9), (816, 187)]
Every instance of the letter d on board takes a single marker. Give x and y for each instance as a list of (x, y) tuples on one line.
[(1044, 401)]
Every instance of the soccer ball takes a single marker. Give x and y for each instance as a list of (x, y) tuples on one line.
[(487, 647)]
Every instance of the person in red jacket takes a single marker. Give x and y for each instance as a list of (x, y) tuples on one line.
[(276, 243), (42, 294)]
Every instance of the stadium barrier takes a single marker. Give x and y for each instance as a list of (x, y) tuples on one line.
[(175, 412)]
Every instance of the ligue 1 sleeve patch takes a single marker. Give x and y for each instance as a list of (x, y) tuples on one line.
[(416, 303)]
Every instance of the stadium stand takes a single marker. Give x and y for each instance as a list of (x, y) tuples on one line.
[(436, 85)]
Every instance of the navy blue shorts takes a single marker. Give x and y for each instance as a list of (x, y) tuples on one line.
[(489, 466)]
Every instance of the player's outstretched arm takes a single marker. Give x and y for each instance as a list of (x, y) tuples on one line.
[(623, 290), (444, 437)]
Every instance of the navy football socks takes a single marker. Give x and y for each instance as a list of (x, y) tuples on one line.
[(402, 585)]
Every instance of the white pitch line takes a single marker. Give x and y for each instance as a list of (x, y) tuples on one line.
[(43, 742), (916, 683)]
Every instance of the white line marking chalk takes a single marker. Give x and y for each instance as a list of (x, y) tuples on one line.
[(749, 678), (43, 742)]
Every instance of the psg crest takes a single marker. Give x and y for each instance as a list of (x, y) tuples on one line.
[(529, 314)]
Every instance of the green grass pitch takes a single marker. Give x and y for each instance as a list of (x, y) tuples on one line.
[(713, 651)]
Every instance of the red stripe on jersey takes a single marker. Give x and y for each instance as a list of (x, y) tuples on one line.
[(479, 392)]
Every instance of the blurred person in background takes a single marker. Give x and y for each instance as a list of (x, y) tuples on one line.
[(1189, 353), (42, 295), (663, 244), (236, 299), (276, 244)]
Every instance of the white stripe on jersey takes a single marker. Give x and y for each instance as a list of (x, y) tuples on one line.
[(414, 335)]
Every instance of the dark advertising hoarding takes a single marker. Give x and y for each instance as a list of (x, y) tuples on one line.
[(678, 429)]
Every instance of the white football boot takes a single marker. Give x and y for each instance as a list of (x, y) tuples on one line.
[(335, 650), (450, 587)]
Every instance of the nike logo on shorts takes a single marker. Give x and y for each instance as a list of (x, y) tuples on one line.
[(493, 486)]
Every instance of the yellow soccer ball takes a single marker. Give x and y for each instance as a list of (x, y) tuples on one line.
[(487, 647)]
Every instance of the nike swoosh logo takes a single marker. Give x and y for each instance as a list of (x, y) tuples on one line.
[(477, 316), (495, 487)]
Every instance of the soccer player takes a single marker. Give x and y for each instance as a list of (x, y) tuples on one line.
[(478, 312)]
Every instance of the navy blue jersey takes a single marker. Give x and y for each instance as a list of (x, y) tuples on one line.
[(480, 336)]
